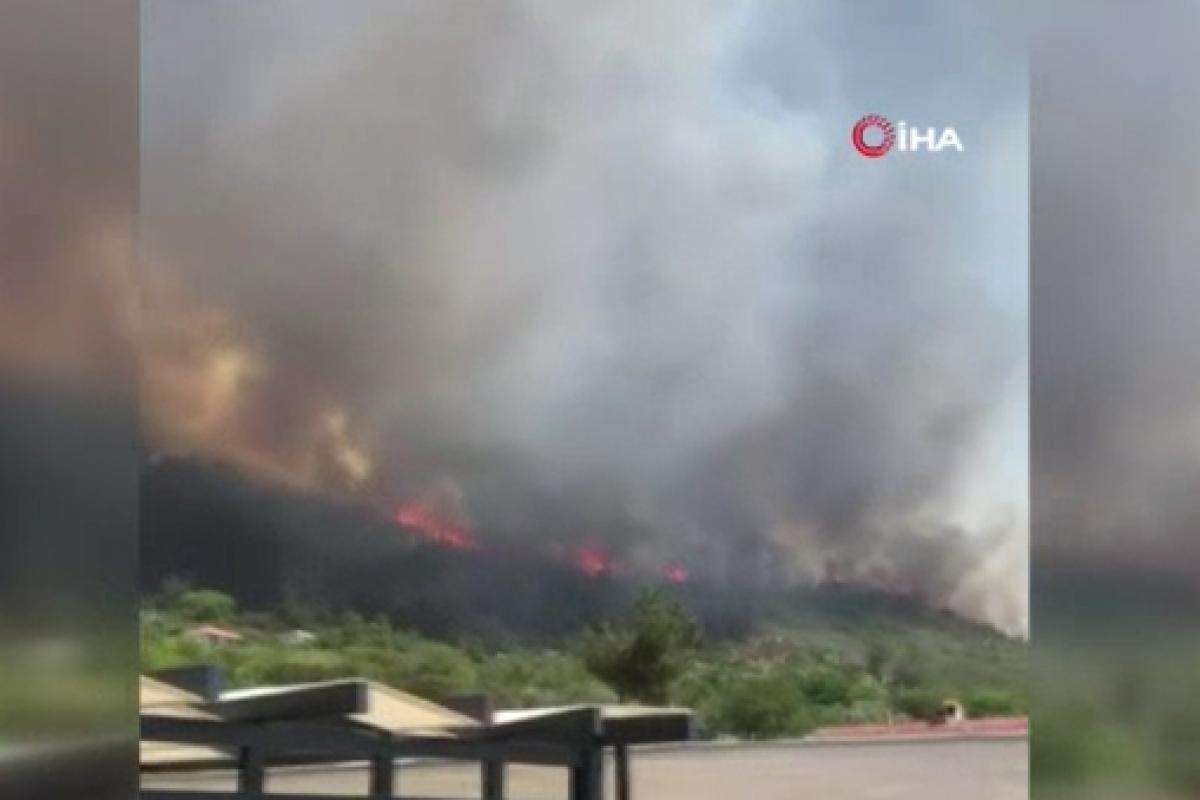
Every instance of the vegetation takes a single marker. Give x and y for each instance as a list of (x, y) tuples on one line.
[(783, 682), (642, 655)]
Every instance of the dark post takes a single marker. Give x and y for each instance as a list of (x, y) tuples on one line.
[(250, 773), (493, 780), (382, 777), (587, 776), (621, 768)]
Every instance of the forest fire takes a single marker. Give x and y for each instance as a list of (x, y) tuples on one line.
[(675, 573), (425, 522), (593, 562), (437, 516)]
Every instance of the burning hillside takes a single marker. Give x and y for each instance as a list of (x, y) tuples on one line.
[(596, 308), (271, 546), (437, 517)]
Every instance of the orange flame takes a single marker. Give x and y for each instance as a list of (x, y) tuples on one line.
[(426, 523), (593, 562)]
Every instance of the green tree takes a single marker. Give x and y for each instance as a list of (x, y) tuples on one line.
[(879, 659), (641, 655), (826, 686)]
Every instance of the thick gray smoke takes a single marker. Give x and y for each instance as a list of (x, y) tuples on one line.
[(1116, 323), (608, 276), (1116, 400)]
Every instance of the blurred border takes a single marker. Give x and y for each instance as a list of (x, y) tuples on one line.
[(68, 474), (1115, 366)]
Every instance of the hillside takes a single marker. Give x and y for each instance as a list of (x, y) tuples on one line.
[(784, 682), (385, 603), (210, 525)]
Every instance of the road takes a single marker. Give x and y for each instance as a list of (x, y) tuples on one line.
[(936, 770)]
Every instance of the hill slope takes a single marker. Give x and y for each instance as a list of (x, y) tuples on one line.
[(267, 546)]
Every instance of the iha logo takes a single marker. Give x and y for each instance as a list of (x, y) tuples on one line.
[(874, 135)]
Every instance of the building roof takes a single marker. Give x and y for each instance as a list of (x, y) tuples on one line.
[(307, 722), (368, 703), (161, 699), (607, 712), (625, 724), (395, 711)]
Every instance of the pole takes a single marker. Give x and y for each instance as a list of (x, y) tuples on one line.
[(383, 779), (251, 774), (493, 780), (621, 767), (587, 776)]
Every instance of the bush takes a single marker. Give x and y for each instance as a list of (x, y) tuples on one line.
[(760, 706), (527, 678), (826, 686), (265, 665), (922, 704), (780, 684), (640, 657), (160, 650), (204, 605), (867, 689), (435, 671), (990, 703)]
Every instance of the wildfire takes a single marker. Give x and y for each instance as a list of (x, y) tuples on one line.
[(424, 521), (593, 562), (675, 572), (436, 516)]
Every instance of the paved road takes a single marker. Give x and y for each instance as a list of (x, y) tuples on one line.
[(953, 770), (941, 770)]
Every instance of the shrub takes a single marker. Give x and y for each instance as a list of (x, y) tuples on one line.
[(760, 706), (826, 686), (436, 671), (204, 605), (990, 703), (161, 651), (266, 665), (923, 704), (527, 678), (784, 684), (641, 656)]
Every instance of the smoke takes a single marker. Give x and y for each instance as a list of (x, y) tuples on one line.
[(67, 198), (612, 274), (1117, 410)]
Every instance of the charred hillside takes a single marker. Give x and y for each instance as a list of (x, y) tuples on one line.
[(213, 525)]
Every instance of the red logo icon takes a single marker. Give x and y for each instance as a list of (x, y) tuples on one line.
[(858, 135)]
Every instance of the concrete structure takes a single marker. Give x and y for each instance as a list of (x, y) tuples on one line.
[(952, 712), (248, 732)]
